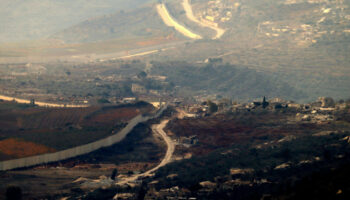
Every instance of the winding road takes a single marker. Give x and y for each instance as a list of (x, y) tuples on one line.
[(169, 21), (159, 129), (189, 14)]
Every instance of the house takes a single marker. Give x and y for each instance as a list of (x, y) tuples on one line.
[(191, 140), (326, 102), (129, 99), (294, 105), (157, 104), (136, 88), (327, 109)]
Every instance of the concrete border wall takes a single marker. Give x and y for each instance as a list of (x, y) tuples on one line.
[(79, 150), (42, 104)]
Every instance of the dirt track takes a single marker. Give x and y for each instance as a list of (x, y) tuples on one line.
[(169, 21), (189, 14), (157, 128)]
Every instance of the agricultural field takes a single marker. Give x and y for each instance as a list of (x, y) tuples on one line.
[(28, 130)]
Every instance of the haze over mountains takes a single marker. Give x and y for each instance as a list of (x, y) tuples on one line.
[(174, 99), (36, 19), (302, 44), (138, 23)]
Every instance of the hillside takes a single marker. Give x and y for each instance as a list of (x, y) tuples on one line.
[(139, 23), (299, 45), (226, 80)]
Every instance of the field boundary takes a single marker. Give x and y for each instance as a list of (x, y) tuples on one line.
[(79, 150)]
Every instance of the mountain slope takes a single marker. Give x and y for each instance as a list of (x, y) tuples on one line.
[(35, 19), (226, 80), (139, 23)]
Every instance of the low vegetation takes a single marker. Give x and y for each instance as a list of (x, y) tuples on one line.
[(283, 158)]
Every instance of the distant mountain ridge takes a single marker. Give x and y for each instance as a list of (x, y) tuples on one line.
[(36, 19), (138, 23)]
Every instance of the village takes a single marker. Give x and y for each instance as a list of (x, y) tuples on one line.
[(320, 111), (313, 31)]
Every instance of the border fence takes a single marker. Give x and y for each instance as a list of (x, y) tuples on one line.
[(78, 150)]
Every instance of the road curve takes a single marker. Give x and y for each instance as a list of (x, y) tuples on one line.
[(159, 129), (169, 21), (189, 14)]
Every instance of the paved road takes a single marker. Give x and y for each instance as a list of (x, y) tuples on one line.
[(159, 129), (85, 58)]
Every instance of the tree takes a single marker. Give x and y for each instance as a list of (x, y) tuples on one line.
[(212, 107), (264, 103), (13, 193), (142, 75), (114, 174), (102, 101)]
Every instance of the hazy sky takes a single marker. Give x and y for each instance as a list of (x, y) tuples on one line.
[(34, 19)]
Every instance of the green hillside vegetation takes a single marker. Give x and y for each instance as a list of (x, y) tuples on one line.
[(216, 166), (298, 165), (224, 79)]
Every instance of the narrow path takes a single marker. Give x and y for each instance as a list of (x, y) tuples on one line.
[(157, 128), (189, 14), (169, 21)]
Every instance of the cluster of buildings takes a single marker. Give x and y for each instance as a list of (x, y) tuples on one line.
[(319, 111), (307, 34), (187, 141), (219, 11)]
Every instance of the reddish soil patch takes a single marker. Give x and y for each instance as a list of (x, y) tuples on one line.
[(112, 116), (18, 149), (135, 166), (43, 118)]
